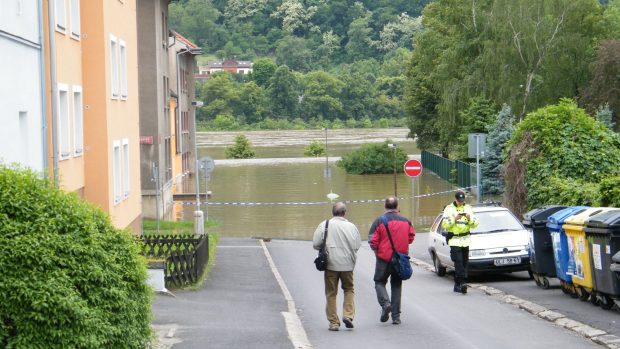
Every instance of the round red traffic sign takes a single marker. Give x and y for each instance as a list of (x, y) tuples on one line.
[(413, 168)]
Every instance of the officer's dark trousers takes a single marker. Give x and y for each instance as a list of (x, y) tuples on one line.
[(460, 257)]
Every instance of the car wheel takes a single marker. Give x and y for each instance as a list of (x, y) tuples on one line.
[(439, 269), (606, 302)]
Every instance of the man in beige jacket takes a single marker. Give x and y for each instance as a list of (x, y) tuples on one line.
[(343, 241)]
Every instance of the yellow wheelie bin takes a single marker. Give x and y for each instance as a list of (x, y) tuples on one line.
[(579, 251)]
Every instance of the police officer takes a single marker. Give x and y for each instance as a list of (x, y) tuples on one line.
[(458, 220)]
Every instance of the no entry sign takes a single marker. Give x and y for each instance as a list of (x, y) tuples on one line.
[(413, 168)]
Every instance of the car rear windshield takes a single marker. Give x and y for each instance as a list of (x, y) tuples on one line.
[(497, 221)]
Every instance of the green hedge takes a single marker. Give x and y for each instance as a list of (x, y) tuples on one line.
[(373, 158), (69, 278)]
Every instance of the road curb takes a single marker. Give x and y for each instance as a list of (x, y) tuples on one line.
[(596, 335)]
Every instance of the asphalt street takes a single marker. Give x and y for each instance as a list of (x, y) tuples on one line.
[(268, 295)]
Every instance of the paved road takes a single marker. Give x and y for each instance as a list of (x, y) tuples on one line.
[(268, 295)]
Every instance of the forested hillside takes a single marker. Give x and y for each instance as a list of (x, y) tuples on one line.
[(317, 63)]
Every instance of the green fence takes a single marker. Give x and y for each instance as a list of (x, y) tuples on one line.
[(454, 171)]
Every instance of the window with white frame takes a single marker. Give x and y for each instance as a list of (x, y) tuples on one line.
[(74, 19), (114, 81), (60, 14), (123, 68), (64, 135), (78, 121), (117, 171), (126, 186)]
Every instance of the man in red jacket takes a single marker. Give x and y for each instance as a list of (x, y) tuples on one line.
[(402, 234)]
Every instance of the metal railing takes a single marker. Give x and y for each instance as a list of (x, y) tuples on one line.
[(453, 171), (185, 256)]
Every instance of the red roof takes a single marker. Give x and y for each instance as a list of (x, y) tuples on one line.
[(185, 41)]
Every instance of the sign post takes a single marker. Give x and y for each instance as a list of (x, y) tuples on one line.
[(412, 168)]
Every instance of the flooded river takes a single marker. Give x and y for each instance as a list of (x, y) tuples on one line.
[(284, 195)]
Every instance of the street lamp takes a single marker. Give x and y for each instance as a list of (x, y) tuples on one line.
[(198, 217), (393, 147), (327, 172)]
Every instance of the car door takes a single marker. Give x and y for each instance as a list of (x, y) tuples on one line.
[(439, 242)]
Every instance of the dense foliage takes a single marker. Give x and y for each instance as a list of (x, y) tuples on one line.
[(499, 133), (523, 53), (559, 155), (69, 278), (374, 158), (314, 149), (242, 149)]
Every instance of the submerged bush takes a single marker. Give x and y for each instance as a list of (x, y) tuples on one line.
[(69, 278), (374, 158)]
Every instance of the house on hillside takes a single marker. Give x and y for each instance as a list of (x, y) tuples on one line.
[(230, 65)]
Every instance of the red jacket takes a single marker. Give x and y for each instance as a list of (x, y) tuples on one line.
[(401, 231)]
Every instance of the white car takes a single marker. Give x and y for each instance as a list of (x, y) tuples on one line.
[(498, 245)]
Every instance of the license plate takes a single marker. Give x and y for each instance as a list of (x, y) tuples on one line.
[(507, 261)]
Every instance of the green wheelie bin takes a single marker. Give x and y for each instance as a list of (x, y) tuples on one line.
[(603, 236), (541, 247)]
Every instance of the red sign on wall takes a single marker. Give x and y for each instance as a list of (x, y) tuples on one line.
[(146, 139)]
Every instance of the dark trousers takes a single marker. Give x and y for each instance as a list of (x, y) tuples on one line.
[(383, 271), (460, 257)]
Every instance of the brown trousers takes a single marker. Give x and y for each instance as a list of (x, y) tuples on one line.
[(331, 292)]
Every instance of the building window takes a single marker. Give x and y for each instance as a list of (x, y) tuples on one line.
[(168, 158), (60, 14), (78, 121), (125, 160), (114, 70), (117, 170), (74, 12), (123, 70), (63, 122), (164, 30)]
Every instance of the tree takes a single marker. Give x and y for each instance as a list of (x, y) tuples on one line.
[(605, 116), (262, 71), (373, 158), (314, 149), (357, 97), (283, 93), (295, 17), (321, 96), (499, 134), (604, 88), (252, 102), (479, 114), (242, 149), (360, 41), (220, 94), (292, 52)]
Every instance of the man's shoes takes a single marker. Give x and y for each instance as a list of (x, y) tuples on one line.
[(348, 323), (385, 313), (463, 289), (334, 327), (395, 321), (457, 288)]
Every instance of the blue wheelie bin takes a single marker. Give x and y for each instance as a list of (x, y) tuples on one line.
[(603, 237), (541, 247), (564, 268)]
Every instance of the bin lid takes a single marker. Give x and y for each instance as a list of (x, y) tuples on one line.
[(606, 220), (577, 221), (616, 257), (538, 216), (559, 217)]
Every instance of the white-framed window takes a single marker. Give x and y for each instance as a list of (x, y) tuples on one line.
[(74, 19), (78, 121), (60, 14), (117, 171), (126, 186), (123, 68), (64, 135), (114, 67)]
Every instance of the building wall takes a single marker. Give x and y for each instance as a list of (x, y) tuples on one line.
[(21, 94), (111, 120), (68, 72)]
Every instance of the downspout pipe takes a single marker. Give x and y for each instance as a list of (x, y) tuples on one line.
[(42, 86), (54, 92)]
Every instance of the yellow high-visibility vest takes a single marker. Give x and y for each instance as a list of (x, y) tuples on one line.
[(459, 227)]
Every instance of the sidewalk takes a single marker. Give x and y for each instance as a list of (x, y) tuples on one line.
[(239, 305)]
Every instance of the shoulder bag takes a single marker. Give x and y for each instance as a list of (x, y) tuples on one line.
[(321, 260), (400, 261)]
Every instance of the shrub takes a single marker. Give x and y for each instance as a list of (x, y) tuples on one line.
[(609, 190), (558, 143), (373, 158), (69, 278), (315, 149), (242, 149)]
